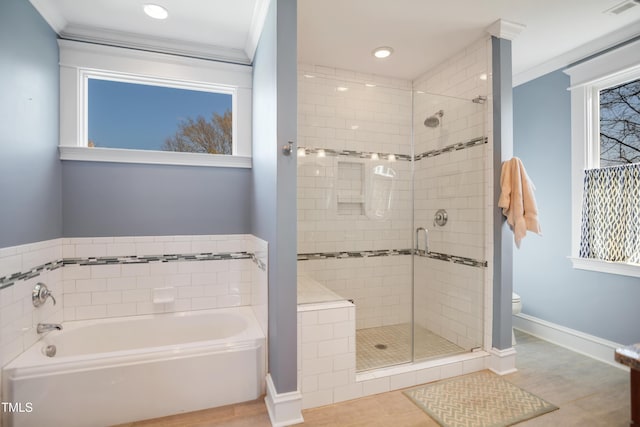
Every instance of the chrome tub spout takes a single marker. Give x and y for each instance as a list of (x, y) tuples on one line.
[(46, 327)]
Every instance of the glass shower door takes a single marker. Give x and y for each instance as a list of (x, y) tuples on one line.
[(449, 210), (355, 208)]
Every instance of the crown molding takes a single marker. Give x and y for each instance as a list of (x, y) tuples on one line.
[(504, 29), (48, 10), (260, 11), (154, 44), (601, 44)]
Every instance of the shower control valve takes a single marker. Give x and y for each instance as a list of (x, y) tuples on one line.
[(440, 218), (40, 294)]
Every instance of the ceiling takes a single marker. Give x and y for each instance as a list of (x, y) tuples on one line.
[(342, 34)]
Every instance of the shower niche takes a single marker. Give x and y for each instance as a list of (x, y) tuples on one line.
[(351, 186), (364, 188)]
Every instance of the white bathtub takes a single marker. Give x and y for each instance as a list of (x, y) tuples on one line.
[(113, 371)]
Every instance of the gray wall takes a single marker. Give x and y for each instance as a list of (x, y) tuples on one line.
[(604, 305), (30, 203), (274, 182), (502, 151), (122, 199)]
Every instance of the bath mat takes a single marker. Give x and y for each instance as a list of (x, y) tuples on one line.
[(482, 399)]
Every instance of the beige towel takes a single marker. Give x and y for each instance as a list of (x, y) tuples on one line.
[(517, 201)]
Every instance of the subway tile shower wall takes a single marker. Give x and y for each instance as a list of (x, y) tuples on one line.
[(345, 111), (121, 276)]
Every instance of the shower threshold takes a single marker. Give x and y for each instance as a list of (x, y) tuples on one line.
[(385, 346)]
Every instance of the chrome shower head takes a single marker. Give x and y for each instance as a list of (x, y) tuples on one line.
[(434, 121)]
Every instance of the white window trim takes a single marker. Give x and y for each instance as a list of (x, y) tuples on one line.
[(587, 78), (80, 61)]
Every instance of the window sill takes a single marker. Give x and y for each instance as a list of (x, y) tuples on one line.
[(152, 157), (621, 268)]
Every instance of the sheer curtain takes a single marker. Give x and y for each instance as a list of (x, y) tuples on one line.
[(611, 214)]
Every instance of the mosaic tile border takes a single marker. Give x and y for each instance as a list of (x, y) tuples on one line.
[(454, 147), (401, 157), (7, 281), (10, 280), (355, 154), (393, 252), (453, 258), (362, 254)]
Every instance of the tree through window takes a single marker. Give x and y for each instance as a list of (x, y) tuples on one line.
[(620, 124)]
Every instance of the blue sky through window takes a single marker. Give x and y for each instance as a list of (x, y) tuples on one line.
[(142, 117)]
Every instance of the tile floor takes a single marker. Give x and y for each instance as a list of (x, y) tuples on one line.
[(391, 345), (589, 393)]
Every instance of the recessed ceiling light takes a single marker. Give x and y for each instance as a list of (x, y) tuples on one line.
[(155, 11), (382, 52), (342, 88), (483, 76), (369, 85), (309, 76)]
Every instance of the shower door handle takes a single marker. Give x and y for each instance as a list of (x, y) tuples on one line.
[(426, 240)]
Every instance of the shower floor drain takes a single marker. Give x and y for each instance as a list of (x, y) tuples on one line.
[(381, 346)]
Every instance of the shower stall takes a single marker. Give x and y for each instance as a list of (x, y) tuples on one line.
[(391, 213)]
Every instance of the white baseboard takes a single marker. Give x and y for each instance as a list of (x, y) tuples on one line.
[(503, 362), (588, 345), (284, 409)]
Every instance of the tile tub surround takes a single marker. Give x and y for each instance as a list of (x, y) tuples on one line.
[(112, 277), (17, 314)]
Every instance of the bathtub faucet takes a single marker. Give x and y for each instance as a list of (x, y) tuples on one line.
[(45, 327)]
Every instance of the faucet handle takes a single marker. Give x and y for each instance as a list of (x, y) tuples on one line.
[(40, 294)]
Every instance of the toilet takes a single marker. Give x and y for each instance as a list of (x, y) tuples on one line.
[(516, 307)]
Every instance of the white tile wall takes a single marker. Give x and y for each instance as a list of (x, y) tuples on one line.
[(18, 317), (362, 118), (342, 204), (327, 360), (379, 286), (97, 291), (123, 290), (455, 182), (260, 284), (456, 298), (453, 300), (326, 351)]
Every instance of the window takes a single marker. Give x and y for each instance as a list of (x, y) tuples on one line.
[(123, 105), (131, 115), (605, 113), (619, 108)]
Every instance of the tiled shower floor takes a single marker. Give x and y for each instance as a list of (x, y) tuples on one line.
[(394, 346)]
